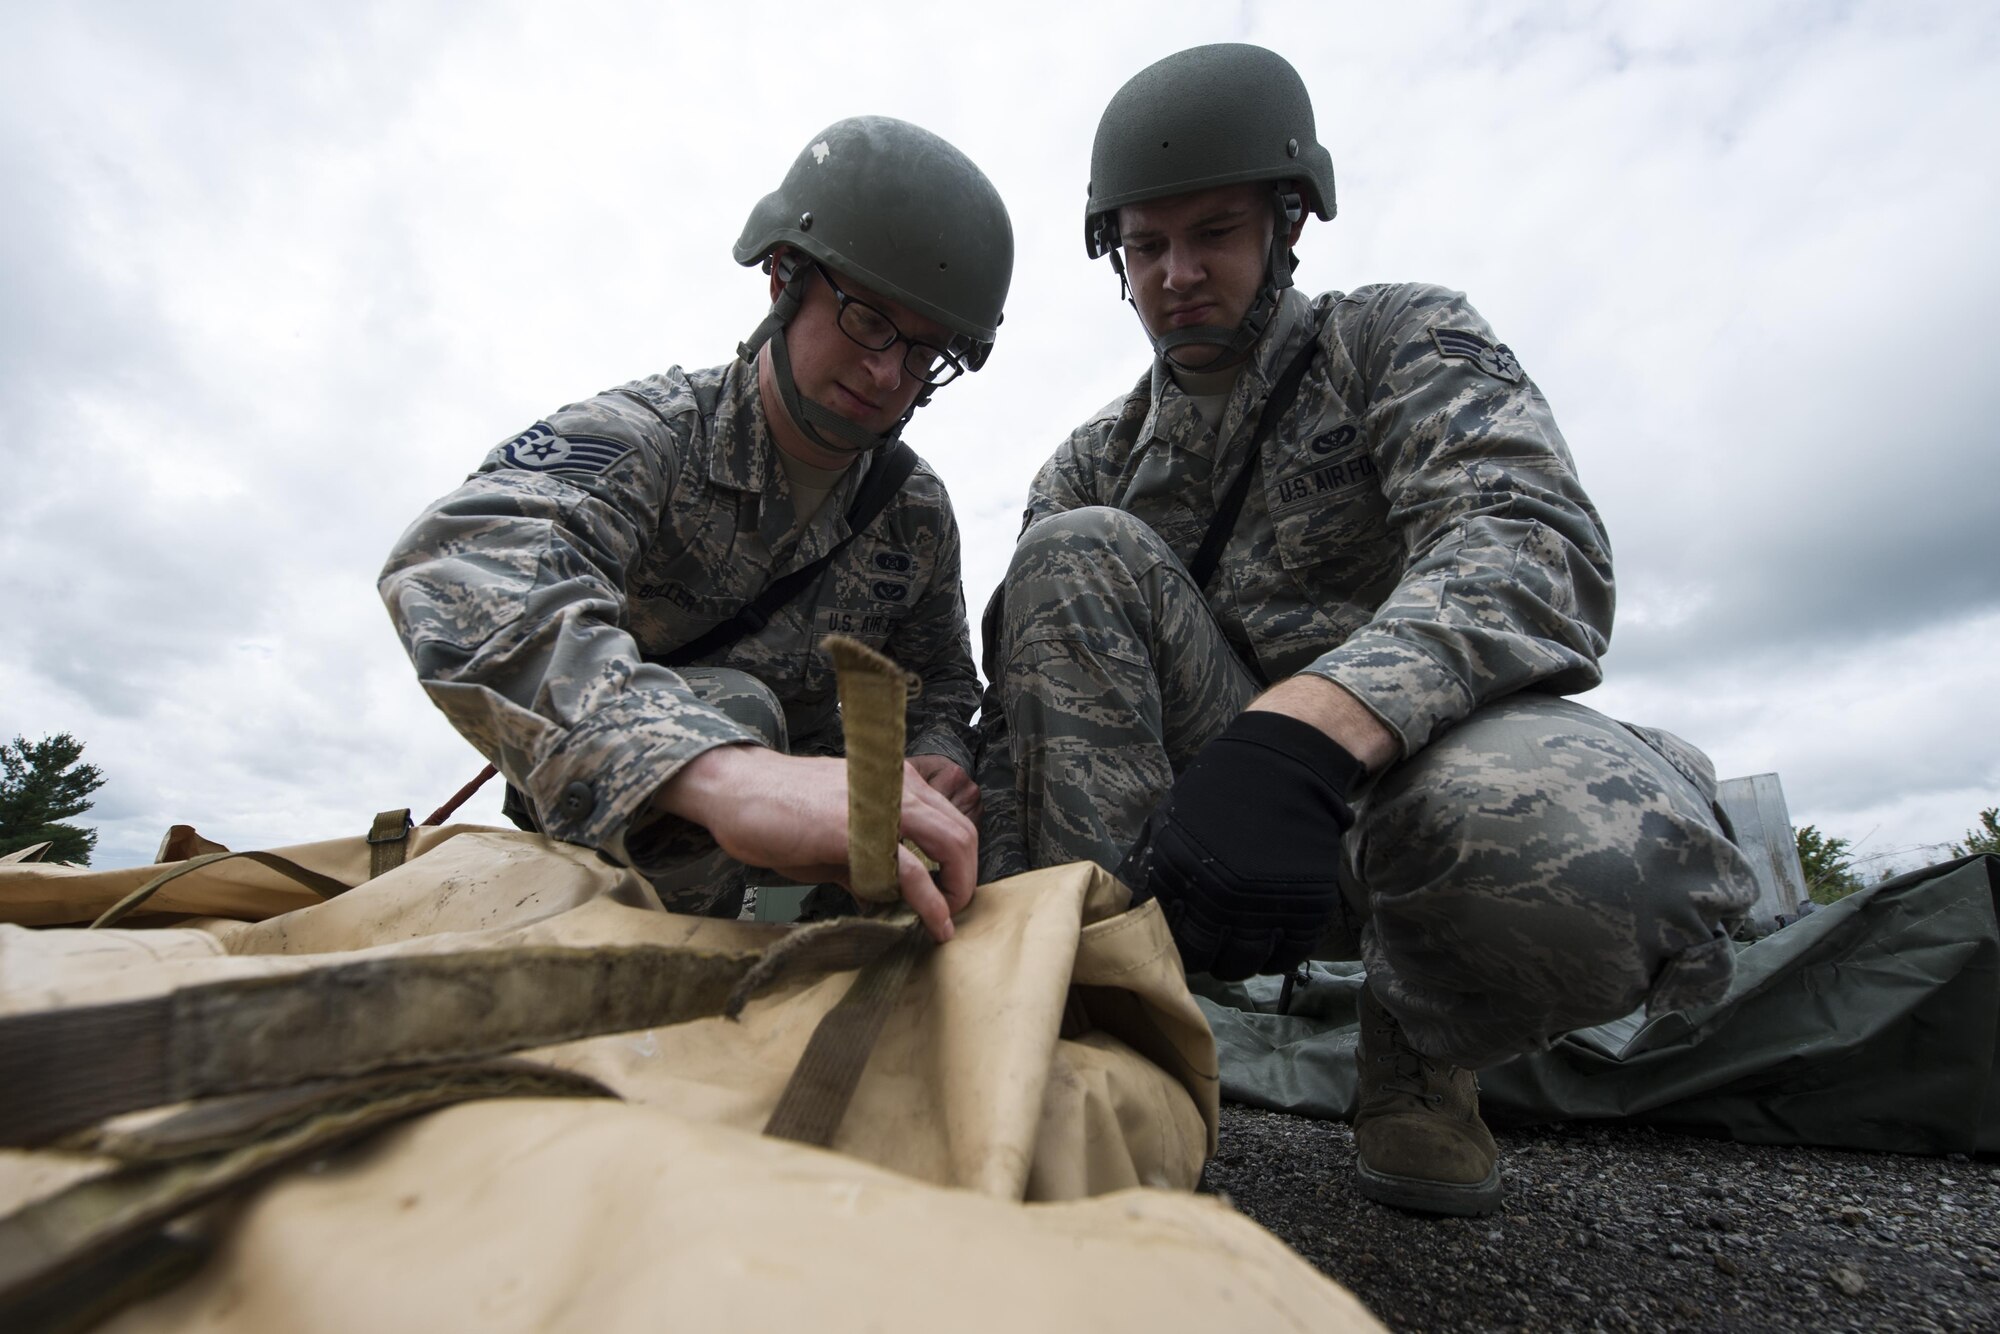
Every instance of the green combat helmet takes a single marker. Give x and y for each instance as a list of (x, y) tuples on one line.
[(897, 209), (1201, 118)]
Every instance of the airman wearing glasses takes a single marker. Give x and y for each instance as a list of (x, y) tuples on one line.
[(623, 607)]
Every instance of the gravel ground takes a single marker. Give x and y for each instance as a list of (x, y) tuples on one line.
[(1613, 1227)]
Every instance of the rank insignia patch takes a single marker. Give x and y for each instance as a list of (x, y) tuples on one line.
[(540, 449), (1496, 359)]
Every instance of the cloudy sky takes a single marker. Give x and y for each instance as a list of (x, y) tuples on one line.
[(273, 276)]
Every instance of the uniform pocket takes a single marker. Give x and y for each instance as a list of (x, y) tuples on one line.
[(1328, 507)]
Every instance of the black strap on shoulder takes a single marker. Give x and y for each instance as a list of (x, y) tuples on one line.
[(884, 480), (1202, 567)]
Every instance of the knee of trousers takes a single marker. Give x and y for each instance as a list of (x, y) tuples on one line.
[(1090, 575), (1539, 869), (1093, 547), (743, 699)]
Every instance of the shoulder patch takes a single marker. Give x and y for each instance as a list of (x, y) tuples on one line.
[(1496, 359), (540, 449)]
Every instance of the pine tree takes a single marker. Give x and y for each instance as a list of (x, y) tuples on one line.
[(42, 785), (1828, 869), (1986, 838)]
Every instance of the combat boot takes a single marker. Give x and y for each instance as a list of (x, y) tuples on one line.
[(1419, 1142)]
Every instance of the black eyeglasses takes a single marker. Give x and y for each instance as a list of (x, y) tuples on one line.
[(875, 331)]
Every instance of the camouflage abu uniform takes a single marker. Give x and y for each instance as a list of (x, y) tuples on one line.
[(628, 525), (1418, 536)]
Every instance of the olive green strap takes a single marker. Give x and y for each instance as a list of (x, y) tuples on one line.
[(823, 1083), (323, 885), (873, 693), (74, 1296), (67, 1069), (388, 841), (59, 1254)]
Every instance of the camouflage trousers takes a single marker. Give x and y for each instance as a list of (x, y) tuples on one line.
[(689, 872), (1537, 869)]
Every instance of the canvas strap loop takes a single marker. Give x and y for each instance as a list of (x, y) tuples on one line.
[(388, 841), (873, 695), (75, 1256), (323, 885), (71, 1068)]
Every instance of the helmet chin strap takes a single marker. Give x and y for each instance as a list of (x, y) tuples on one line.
[(823, 426), (819, 424), (1237, 342)]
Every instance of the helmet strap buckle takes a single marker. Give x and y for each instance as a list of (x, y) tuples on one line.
[(1290, 209), (790, 297), (1103, 234)]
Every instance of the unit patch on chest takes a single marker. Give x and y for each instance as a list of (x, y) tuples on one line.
[(1332, 442), (1496, 359)]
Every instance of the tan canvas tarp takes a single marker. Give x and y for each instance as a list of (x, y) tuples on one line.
[(1050, 1054)]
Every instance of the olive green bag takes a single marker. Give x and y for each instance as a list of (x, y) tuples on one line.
[(1873, 1023)]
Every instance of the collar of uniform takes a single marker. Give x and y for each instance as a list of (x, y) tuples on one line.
[(1172, 417), (739, 439), (795, 545), (1283, 337)]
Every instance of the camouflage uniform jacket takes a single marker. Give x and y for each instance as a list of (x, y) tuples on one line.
[(628, 525), (1418, 534)]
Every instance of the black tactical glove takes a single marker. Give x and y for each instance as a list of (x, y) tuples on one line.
[(1244, 852)]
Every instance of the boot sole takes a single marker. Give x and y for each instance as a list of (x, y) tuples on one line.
[(1460, 1200)]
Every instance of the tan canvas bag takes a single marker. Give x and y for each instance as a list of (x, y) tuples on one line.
[(1050, 1054)]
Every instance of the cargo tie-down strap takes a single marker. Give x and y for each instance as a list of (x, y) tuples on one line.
[(75, 1257), (388, 847), (68, 1069), (297, 1063), (323, 885), (874, 693)]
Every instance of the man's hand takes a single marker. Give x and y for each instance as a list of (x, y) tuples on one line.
[(1244, 852), (954, 783), (789, 813)]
